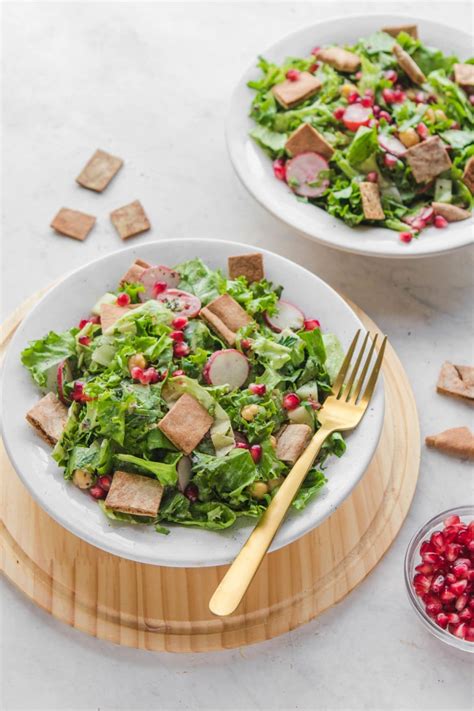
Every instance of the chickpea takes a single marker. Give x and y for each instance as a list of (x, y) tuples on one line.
[(258, 490), (83, 479), (430, 115), (249, 412), (273, 483), (137, 360), (273, 441), (409, 137), (347, 89), (440, 115)]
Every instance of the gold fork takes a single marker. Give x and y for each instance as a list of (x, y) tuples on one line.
[(343, 410)]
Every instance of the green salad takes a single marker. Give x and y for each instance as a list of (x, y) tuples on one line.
[(378, 133), (185, 397)]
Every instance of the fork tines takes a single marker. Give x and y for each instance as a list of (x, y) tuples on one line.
[(347, 386)]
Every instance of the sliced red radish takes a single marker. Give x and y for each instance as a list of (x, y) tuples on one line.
[(356, 115), (302, 173), (154, 275), (392, 145), (64, 375), (287, 316), (181, 303), (227, 367), (184, 473)]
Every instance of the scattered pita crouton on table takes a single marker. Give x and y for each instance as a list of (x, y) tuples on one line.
[(428, 159), (464, 75), (456, 381), (73, 223), (48, 417), (186, 423), (292, 442), (340, 59), (130, 220), (371, 201), (225, 316), (99, 171), (290, 93), (134, 494), (394, 31), (306, 139), (409, 66), (451, 213), (458, 442), (248, 265)]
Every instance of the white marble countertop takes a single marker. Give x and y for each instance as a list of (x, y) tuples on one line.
[(151, 83)]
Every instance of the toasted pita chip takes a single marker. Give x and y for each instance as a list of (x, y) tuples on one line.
[(99, 171), (248, 265), (130, 220), (134, 272), (428, 159), (186, 423), (458, 442), (225, 316), (456, 380), (48, 417), (409, 66), (110, 313), (394, 31), (340, 59), (134, 494), (290, 93), (73, 223), (306, 139), (468, 175), (292, 442), (464, 75), (371, 204)]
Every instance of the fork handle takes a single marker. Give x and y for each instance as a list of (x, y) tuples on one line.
[(235, 582)]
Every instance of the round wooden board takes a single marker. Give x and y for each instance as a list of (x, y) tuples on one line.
[(166, 609)]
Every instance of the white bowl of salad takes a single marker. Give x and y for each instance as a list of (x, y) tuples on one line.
[(359, 132), (146, 396)]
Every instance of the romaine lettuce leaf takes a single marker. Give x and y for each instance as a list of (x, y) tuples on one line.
[(165, 472), (197, 278), (43, 356)]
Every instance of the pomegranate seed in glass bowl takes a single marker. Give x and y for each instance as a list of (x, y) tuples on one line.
[(439, 588)]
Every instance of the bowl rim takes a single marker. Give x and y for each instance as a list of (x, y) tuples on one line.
[(234, 148), (408, 567)]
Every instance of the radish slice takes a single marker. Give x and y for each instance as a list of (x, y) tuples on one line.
[(392, 145), (304, 169), (287, 316), (64, 375), (181, 303), (184, 472), (154, 274), (355, 116), (227, 367)]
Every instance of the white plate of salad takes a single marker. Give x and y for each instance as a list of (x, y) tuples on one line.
[(359, 132), (146, 396)]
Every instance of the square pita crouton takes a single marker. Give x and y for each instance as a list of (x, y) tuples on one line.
[(409, 66), (394, 31), (48, 417), (110, 313), (248, 265), (451, 213), (340, 59), (307, 139), (371, 201), (290, 93), (458, 442), (99, 171), (468, 175), (226, 316), (428, 159), (292, 442), (134, 272), (456, 380), (130, 220), (73, 223), (464, 75), (186, 423), (134, 494)]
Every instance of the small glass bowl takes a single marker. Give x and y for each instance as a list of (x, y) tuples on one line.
[(412, 558)]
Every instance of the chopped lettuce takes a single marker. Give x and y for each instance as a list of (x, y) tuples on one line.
[(43, 356)]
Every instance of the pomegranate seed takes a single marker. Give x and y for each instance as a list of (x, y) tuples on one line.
[(447, 596), (191, 492), (136, 373), (97, 492), (293, 74), (424, 568), (123, 299), (465, 615), (258, 389), (432, 99), (422, 131), (452, 520), (461, 602), (78, 393), (450, 534), (311, 324), (471, 99), (373, 177), (420, 97), (440, 222), (453, 618), (181, 350), (406, 237), (376, 110), (421, 584), (458, 587), (279, 169), (389, 160), (353, 98), (314, 67), (291, 401), (426, 547), (450, 578), (452, 551), (391, 75), (150, 376), (399, 96), (437, 539), (388, 96), (386, 116), (433, 608), (84, 340), (105, 482), (431, 558), (177, 373), (246, 344), (242, 445), (438, 584), (177, 335), (461, 568), (256, 453), (94, 319), (358, 75), (470, 546), (339, 113), (459, 630), (83, 322), (315, 51), (442, 620), (179, 323), (462, 536), (470, 630)]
